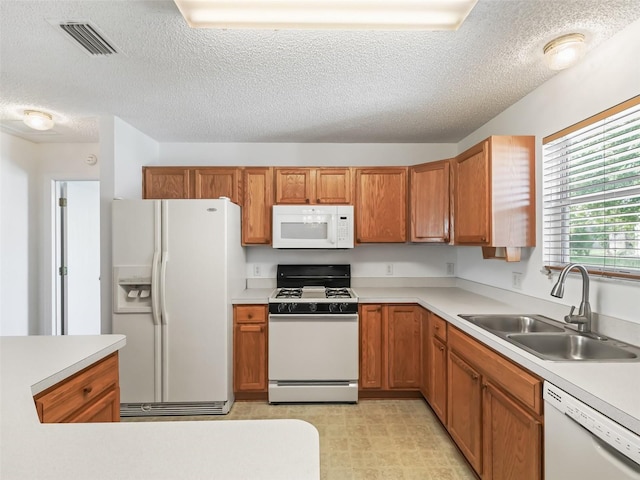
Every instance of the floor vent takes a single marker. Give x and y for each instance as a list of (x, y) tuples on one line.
[(88, 37)]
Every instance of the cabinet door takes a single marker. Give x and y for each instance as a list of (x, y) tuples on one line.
[(438, 378), (218, 182), (104, 409), (372, 347), (250, 357), (166, 182), (404, 347), (381, 205), (429, 202), (472, 197), (333, 186), (512, 440), (256, 206), (465, 409), (294, 185), (425, 363)]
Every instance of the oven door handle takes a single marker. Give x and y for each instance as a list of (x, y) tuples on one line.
[(310, 317)]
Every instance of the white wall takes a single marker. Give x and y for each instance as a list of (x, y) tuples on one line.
[(366, 261), (607, 76), (27, 172), (19, 302), (307, 154), (124, 151)]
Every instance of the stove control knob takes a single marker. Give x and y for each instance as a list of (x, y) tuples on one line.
[(282, 307), (344, 307), (313, 307), (334, 307), (293, 307)]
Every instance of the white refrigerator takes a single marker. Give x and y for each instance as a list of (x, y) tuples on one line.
[(176, 266)]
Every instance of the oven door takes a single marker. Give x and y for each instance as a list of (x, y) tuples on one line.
[(313, 348)]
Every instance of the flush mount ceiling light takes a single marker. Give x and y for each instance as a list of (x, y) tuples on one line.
[(38, 120), (326, 14), (564, 51)]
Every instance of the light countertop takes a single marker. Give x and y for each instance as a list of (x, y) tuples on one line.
[(612, 388), (229, 450)]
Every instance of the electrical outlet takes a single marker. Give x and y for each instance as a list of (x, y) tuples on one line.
[(516, 280), (256, 270), (451, 269), (389, 269)]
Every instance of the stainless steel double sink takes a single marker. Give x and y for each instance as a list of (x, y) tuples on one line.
[(550, 340)]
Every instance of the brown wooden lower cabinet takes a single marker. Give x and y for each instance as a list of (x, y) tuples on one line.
[(512, 440), (436, 365), (390, 349), (250, 350), (494, 411), (464, 409), (91, 395)]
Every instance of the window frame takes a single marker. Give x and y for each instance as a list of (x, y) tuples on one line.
[(565, 256)]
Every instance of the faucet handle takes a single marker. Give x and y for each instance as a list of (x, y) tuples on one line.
[(573, 309)]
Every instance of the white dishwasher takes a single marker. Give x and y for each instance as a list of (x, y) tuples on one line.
[(584, 444)]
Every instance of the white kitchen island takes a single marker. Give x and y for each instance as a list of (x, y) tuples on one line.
[(229, 450)]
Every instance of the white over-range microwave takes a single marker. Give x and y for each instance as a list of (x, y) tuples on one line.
[(313, 226)]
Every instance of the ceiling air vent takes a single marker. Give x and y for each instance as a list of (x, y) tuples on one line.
[(88, 37)]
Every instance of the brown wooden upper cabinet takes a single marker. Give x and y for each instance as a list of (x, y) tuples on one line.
[(215, 182), (381, 205), (192, 182), (494, 195), (166, 182), (256, 205), (429, 197), (313, 185)]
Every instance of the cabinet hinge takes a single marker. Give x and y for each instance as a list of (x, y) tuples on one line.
[(62, 271), (62, 202)]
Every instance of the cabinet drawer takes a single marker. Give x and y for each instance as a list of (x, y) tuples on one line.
[(66, 398), (250, 313), (520, 384), (439, 327)]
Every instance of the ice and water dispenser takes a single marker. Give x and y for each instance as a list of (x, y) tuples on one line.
[(132, 289)]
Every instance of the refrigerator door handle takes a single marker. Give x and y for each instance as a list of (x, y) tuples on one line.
[(155, 288), (163, 283)]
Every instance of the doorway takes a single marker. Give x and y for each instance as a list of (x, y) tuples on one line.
[(77, 258)]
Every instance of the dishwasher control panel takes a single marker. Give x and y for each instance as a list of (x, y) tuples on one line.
[(612, 433)]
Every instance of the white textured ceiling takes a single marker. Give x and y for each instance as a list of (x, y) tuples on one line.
[(178, 84)]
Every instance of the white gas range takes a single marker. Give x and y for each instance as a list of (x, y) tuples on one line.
[(313, 335)]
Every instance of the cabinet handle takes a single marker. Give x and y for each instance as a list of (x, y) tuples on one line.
[(483, 239), (441, 347), (87, 390), (306, 200), (317, 200), (358, 240), (251, 328), (437, 327)]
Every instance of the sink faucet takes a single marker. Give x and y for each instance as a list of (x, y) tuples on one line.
[(583, 318)]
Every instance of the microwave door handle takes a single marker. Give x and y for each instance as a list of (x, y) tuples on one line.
[(332, 230)]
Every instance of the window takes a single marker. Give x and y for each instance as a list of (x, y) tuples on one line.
[(591, 193)]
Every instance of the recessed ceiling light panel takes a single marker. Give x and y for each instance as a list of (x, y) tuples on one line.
[(326, 14)]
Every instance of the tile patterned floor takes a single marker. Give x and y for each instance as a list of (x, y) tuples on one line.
[(375, 439)]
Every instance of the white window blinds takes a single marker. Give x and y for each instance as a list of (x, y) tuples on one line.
[(591, 193)]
